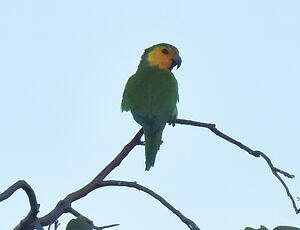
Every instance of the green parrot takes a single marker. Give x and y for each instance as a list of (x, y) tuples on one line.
[(151, 95)]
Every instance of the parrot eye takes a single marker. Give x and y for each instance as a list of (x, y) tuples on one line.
[(165, 51)]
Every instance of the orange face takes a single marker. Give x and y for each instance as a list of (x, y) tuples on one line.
[(162, 56)]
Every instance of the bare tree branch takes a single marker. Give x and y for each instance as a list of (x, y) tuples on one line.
[(64, 206), (137, 186), (256, 153), (98, 182), (29, 220)]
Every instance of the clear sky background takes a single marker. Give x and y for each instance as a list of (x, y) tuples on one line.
[(64, 65)]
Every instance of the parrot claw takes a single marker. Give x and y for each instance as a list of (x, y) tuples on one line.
[(172, 123)]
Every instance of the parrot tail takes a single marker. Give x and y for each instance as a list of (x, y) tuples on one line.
[(152, 143)]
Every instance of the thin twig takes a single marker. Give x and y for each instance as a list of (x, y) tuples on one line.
[(137, 186), (56, 224), (256, 153), (106, 226), (77, 214), (275, 172)]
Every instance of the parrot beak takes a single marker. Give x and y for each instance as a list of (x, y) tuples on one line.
[(176, 60)]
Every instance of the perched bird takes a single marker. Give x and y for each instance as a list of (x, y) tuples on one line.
[(151, 95)]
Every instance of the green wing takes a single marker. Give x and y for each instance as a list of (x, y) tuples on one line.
[(125, 105)]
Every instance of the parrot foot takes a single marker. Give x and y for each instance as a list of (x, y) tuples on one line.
[(172, 123), (142, 143)]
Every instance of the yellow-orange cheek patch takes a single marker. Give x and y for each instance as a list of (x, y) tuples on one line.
[(157, 58)]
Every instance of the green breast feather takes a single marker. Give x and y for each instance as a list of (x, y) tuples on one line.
[(151, 93)]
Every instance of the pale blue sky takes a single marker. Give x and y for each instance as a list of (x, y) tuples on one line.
[(64, 65)]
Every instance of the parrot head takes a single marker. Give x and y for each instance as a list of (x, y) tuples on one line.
[(163, 55)]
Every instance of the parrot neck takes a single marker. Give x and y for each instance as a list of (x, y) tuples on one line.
[(145, 66)]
